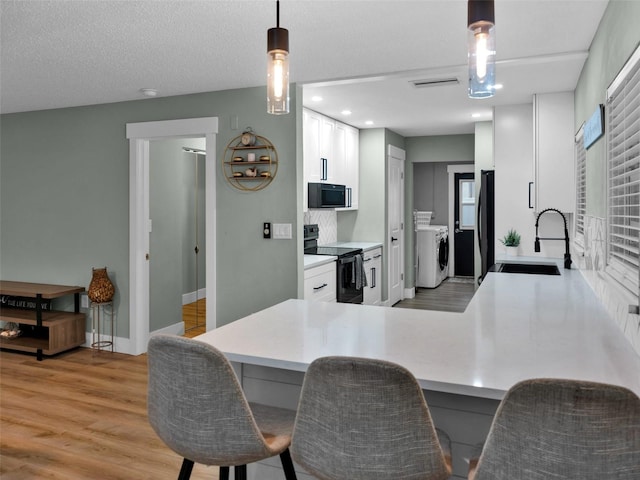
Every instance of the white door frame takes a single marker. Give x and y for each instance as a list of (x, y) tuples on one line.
[(139, 135), (452, 170), (399, 155)]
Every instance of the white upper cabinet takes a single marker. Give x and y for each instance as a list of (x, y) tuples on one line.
[(312, 130), (346, 151), (331, 154), (351, 172), (553, 156)]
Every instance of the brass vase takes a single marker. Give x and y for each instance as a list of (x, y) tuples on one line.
[(101, 289)]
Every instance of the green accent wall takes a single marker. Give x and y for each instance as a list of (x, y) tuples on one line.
[(64, 198), (369, 222), (441, 148), (617, 37)]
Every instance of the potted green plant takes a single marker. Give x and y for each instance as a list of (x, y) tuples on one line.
[(511, 241)]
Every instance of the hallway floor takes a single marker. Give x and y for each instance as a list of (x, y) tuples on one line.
[(194, 316), (452, 295)]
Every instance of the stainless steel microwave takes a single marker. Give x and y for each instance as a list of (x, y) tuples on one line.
[(326, 195)]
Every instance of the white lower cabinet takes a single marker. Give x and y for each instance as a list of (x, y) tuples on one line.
[(320, 283), (373, 271)]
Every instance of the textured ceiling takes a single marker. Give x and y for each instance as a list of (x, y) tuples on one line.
[(69, 53)]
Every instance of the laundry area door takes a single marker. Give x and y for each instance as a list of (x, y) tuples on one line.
[(464, 224), (176, 239)]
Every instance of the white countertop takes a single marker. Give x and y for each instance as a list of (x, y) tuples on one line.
[(311, 261), (517, 326)]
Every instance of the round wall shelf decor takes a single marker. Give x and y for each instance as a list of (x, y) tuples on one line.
[(250, 165)]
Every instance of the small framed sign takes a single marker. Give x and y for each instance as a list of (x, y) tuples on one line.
[(594, 127)]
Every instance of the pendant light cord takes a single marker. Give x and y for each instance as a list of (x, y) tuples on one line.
[(277, 13)]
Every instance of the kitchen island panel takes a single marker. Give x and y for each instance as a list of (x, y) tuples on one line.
[(465, 419)]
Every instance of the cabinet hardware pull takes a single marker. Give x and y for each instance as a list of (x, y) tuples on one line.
[(530, 185), (320, 287)]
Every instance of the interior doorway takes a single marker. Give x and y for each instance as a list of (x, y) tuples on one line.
[(194, 295), (452, 170), (464, 221), (140, 225), (395, 224), (177, 250)]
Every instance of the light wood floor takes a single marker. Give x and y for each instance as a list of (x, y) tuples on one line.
[(452, 295), (81, 415), (194, 316)]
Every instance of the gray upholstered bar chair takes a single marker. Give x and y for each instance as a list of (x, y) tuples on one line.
[(363, 419), (197, 407), (547, 428)]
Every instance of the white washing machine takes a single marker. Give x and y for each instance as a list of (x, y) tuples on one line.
[(432, 253)]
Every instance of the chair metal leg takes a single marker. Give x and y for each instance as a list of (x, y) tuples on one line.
[(240, 472), (224, 473), (185, 470), (287, 465)]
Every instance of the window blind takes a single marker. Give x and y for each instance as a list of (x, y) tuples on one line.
[(623, 166), (581, 186)]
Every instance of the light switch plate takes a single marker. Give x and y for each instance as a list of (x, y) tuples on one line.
[(281, 231)]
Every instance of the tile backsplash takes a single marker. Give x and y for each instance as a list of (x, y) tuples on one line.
[(327, 221), (615, 298)]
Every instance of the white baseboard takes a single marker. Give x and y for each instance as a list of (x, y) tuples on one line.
[(409, 292), (123, 345), (191, 297)]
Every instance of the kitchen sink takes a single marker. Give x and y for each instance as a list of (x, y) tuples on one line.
[(530, 268)]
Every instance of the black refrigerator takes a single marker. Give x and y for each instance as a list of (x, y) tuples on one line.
[(486, 221)]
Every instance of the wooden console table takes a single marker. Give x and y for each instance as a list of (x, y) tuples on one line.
[(44, 332)]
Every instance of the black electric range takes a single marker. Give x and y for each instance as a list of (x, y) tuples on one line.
[(350, 275)]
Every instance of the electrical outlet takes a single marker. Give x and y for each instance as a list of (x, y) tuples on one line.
[(266, 230)]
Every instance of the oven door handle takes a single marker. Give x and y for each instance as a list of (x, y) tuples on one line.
[(347, 260)]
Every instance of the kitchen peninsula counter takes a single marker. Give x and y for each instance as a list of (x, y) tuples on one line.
[(517, 326)]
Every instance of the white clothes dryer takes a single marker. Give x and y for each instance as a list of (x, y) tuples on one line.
[(432, 252)]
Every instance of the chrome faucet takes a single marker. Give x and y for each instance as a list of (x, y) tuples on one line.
[(567, 255)]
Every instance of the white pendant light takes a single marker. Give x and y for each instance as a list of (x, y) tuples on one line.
[(278, 68), (482, 48)]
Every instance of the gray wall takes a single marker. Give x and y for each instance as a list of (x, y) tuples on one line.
[(431, 190), (441, 148), (64, 198), (615, 40)]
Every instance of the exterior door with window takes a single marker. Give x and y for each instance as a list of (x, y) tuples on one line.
[(464, 223)]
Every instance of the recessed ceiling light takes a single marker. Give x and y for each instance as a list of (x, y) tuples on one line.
[(346, 112), (369, 122), (476, 115), (149, 92), (316, 98)]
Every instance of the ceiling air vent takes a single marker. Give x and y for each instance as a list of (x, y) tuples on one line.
[(435, 82)]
